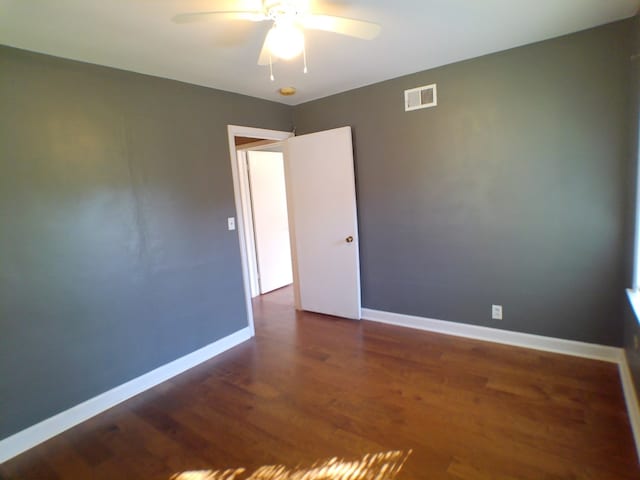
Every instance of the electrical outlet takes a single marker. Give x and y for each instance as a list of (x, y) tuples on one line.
[(231, 223), (496, 312)]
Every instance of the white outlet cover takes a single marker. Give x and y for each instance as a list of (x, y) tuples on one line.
[(231, 223), (496, 312)]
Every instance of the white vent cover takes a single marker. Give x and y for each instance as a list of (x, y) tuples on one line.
[(421, 97)]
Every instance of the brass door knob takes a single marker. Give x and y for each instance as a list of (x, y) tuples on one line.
[(349, 239)]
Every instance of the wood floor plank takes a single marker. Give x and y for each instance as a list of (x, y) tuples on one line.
[(310, 387)]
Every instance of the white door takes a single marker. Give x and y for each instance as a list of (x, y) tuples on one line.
[(270, 220), (322, 204)]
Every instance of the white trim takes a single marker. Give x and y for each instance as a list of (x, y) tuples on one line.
[(636, 233), (526, 340), (631, 399), (247, 219), (433, 87), (259, 133), (242, 155), (38, 433), (262, 146), (634, 300), (255, 145), (292, 230)]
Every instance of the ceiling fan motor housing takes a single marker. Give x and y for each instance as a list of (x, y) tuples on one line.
[(283, 10)]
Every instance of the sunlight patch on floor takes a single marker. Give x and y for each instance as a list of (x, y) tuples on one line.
[(378, 466)]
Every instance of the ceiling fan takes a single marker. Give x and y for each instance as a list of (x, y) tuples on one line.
[(285, 39)]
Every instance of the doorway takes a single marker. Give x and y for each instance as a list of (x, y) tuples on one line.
[(241, 141), (322, 213), (265, 216)]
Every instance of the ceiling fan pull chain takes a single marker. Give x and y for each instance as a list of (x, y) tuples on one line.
[(271, 69), (304, 58)]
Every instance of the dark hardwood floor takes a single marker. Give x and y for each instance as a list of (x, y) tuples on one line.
[(311, 387)]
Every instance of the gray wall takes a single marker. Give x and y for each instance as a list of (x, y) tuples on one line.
[(115, 188), (114, 193), (631, 322), (512, 191)]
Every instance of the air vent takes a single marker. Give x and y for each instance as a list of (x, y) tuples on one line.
[(421, 97)]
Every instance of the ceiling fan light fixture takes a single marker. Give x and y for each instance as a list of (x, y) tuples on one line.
[(285, 41)]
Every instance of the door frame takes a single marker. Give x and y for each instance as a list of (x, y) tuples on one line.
[(247, 205), (234, 131), (247, 222)]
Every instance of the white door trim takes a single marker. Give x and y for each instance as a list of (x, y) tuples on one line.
[(259, 134), (247, 222), (270, 226), (247, 207)]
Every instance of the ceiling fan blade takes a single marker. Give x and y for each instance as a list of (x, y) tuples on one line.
[(232, 34), (251, 16), (263, 59), (342, 25)]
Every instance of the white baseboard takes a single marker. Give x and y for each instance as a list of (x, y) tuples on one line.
[(631, 399), (38, 433), (32, 436), (526, 340)]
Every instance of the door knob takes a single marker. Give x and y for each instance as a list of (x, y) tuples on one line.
[(349, 239)]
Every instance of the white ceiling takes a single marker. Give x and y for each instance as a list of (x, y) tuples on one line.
[(138, 35)]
